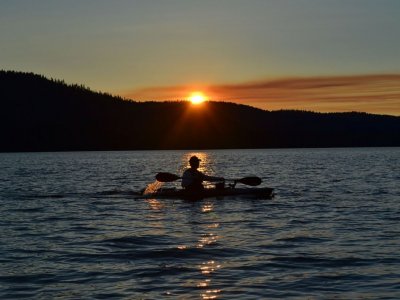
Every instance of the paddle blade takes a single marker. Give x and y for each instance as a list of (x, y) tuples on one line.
[(166, 177), (252, 181)]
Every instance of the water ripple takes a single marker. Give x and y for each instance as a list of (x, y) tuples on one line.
[(71, 228)]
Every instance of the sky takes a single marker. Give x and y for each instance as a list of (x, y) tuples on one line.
[(320, 55)]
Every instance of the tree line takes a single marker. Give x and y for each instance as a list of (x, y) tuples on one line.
[(40, 114)]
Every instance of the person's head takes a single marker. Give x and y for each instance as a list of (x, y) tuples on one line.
[(194, 162)]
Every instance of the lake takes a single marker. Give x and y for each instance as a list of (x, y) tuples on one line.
[(72, 227)]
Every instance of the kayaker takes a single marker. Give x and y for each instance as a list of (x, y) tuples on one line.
[(192, 179)]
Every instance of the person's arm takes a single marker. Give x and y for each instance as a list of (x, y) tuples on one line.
[(212, 178)]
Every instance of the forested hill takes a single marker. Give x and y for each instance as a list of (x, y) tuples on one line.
[(38, 114)]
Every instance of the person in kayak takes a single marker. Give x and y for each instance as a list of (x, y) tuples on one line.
[(192, 179)]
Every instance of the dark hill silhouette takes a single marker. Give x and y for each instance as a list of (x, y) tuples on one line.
[(38, 114)]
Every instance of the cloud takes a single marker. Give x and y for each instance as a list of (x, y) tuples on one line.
[(379, 93)]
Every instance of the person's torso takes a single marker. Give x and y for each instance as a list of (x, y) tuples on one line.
[(191, 177)]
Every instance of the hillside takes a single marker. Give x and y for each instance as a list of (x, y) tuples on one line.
[(38, 114)]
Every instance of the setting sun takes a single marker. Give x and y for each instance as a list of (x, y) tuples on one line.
[(197, 98)]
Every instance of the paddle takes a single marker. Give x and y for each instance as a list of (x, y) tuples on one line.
[(168, 177), (252, 181)]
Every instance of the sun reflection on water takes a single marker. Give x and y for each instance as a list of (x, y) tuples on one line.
[(155, 204), (214, 225), (207, 239), (206, 164), (210, 294), (207, 207), (209, 267), (204, 284)]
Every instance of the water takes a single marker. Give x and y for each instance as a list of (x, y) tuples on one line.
[(72, 228)]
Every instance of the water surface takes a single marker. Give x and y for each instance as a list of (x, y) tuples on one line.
[(71, 227)]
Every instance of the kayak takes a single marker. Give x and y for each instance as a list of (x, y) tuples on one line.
[(259, 193)]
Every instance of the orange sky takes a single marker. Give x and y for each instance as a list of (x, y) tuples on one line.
[(268, 54), (378, 93)]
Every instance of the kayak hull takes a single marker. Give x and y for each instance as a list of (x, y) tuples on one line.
[(259, 193)]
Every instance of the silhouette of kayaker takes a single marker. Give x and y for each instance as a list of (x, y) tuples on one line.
[(192, 178)]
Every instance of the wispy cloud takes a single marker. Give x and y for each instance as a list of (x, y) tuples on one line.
[(379, 93)]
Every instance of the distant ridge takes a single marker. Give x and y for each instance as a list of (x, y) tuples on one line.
[(38, 114)]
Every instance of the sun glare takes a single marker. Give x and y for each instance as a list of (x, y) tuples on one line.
[(197, 98)]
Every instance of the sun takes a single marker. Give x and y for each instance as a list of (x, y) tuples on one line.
[(197, 98)]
